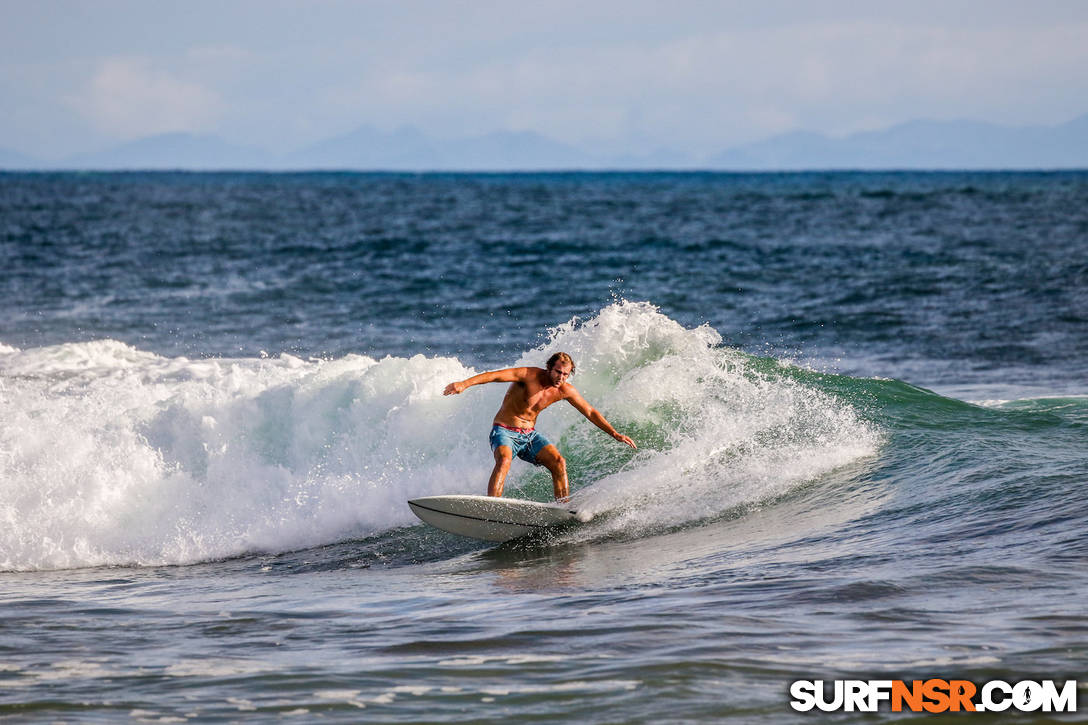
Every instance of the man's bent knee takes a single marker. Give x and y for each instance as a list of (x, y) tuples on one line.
[(552, 459)]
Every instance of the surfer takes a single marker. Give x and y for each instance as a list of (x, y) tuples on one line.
[(513, 432)]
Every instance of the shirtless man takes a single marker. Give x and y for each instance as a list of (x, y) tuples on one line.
[(513, 430)]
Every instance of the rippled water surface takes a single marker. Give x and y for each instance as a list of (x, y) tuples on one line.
[(859, 401)]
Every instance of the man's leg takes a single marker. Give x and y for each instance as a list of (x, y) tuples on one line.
[(550, 458), (503, 456)]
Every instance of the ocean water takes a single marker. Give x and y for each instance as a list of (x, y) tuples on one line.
[(861, 403)]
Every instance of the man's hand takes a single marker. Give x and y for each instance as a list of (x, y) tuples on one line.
[(624, 439), (454, 388)]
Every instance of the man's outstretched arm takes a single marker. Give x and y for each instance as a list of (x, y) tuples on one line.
[(507, 375), (597, 419)]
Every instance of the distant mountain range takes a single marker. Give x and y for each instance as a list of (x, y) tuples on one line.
[(912, 145), (920, 145)]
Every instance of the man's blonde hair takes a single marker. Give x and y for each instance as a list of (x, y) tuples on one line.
[(561, 357)]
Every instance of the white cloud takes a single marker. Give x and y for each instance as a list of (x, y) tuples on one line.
[(129, 98)]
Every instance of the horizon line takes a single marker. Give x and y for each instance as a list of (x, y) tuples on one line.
[(555, 171)]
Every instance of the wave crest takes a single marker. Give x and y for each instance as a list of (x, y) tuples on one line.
[(114, 456)]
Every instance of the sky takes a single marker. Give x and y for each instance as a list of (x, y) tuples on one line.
[(613, 76)]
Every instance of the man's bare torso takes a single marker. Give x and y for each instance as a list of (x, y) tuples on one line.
[(525, 399)]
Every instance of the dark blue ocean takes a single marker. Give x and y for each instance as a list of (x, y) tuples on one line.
[(860, 399)]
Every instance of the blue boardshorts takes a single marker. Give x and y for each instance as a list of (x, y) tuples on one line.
[(525, 444)]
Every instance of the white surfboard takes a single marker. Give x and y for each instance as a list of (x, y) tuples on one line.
[(490, 518)]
